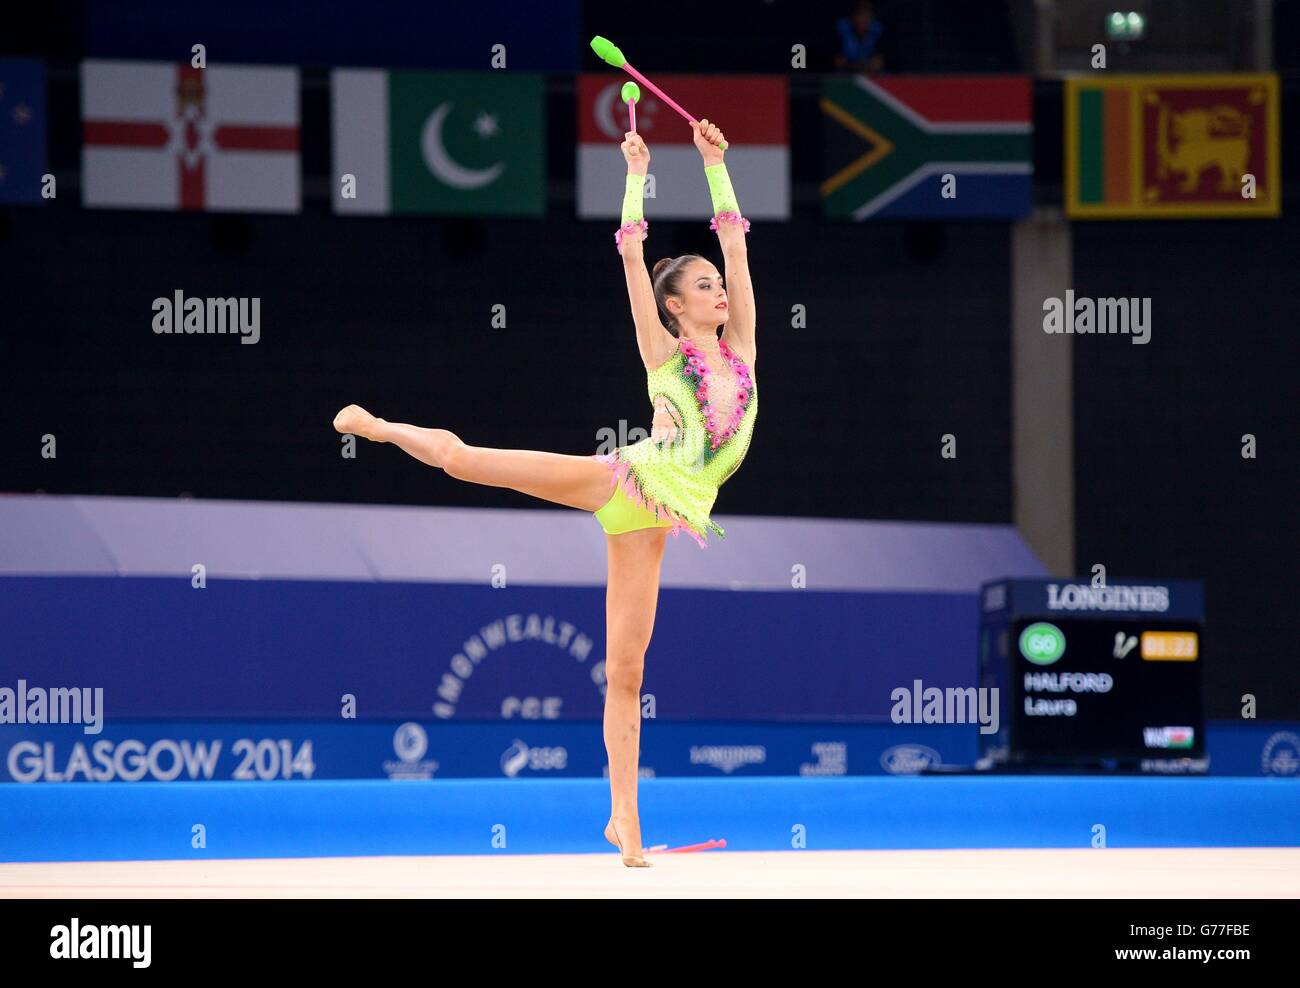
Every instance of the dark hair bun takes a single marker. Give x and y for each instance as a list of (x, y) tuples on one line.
[(660, 265)]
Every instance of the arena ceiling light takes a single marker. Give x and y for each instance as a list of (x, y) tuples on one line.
[(1125, 26)]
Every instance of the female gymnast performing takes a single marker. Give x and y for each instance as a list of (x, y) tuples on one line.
[(705, 402)]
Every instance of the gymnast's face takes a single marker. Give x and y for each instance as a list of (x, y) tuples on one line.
[(703, 296)]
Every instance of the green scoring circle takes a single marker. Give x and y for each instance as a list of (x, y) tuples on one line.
[(1042, 643)]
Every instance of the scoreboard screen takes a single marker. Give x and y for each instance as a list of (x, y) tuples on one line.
[(1095, 676)]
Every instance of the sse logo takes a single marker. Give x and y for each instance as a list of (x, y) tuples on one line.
[(520, 755), (1042, 643)]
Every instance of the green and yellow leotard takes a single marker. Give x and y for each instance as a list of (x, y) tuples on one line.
[(672, 483)]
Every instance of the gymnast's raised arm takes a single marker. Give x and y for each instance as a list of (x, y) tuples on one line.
[(653, 340), (731, 227)]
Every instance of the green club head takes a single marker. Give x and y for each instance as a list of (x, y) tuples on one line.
[(630, 91), (608, 51)]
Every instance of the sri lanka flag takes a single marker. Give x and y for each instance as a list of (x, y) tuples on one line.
[(1172, 146), (22, 130), (889, 141)]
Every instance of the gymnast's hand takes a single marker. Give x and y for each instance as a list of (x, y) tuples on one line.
[(635, 153), (708, 138), (664, 427)]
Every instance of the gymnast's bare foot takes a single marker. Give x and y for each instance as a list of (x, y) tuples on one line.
[(633, 828), (356, 421)]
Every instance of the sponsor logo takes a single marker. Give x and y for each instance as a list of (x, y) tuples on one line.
[(520, 756), (908, 759), (1175, 766), (1042, 643), (728, 757), (1168, 737), (410, 742), (832, 759), (1281, 754), (1079, 597)]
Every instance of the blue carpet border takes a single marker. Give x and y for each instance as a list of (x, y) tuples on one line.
[(157, 821)]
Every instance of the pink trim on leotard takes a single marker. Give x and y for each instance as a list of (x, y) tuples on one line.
[(623, 475), (728, 216), (627, 229)]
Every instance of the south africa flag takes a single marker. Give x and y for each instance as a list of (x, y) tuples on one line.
[(902, 147)]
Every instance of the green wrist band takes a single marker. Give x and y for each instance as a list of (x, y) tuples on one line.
[(724, 196), (634, 199)]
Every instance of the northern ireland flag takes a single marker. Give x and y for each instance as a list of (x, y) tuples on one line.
[(753, 111), (158, 135), (928, 147)]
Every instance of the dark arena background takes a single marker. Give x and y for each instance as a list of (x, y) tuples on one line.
[(1005, 607)]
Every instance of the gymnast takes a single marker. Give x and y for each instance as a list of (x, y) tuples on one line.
[(705, 401)]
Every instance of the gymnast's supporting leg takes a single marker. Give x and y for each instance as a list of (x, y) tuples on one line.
[(631, 598), (575, 481), (630, 603)]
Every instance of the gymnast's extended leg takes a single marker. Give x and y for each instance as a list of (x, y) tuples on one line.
[(575, 481)]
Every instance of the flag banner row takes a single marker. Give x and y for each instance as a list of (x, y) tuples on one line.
[(164, 135)]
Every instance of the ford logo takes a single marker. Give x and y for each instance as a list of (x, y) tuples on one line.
[(908, 759)]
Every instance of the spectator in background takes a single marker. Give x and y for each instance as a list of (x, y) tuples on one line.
[(859, 40)]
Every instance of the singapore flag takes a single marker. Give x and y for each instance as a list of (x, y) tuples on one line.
[(162, 135)]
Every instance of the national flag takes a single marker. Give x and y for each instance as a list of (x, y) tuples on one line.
[(1156, 146), (161, 135), (1168, 737), (22, 130), (888, 142), (445, 143), (753, 112)]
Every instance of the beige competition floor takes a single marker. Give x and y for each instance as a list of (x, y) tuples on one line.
[(1082, 873)]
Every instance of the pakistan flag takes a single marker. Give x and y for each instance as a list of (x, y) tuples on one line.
[(444, 143)]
